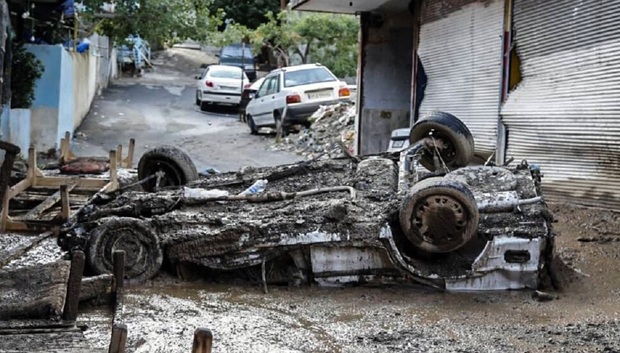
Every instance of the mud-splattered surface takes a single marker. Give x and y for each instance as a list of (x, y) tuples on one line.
[(583, 317)]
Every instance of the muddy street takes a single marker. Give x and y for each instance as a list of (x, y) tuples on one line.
[(158, 108)]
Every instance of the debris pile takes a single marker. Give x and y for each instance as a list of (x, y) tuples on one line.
[(332, 130)]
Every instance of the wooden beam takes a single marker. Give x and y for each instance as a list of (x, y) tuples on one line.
[(128, 161), (74, 284), (19, 188), (119, 339), (119, 155), (36, 212), (82, 183), (113, 169), (65, 209)]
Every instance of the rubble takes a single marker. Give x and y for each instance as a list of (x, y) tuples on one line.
[(332, 126)]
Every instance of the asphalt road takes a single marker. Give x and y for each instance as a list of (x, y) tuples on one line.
[(159, 109)]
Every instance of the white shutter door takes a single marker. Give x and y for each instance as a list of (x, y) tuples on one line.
[(565, 113), (461, 51)]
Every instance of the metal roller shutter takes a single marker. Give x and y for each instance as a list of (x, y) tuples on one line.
[(565, 113), (461, 51)]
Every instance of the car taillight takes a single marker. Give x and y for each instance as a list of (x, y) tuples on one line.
[(344, 92), (209, 83), (293, 98)]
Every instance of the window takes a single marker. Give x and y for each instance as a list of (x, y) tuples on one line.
[(264, 88), (308, 76), (226, 73), (273, 85)]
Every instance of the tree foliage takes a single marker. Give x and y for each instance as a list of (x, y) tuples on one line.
[(248, 13), (27, 69), (299, 38), (158, 21)]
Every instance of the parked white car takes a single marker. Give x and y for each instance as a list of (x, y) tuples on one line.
[(290, 95), (220, 84)]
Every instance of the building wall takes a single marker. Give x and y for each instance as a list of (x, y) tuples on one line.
[(15, 126), (45, 107), (386, 71), (67, 90)]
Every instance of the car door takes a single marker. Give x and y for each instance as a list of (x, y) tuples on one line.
[(263, 107)]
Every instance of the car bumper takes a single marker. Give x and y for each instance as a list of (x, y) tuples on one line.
[(299, 113), (220, 97)]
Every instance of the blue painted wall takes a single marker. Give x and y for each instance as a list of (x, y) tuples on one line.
[(47, 91), (52, 108)]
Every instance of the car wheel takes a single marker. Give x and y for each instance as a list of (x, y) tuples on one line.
[(252, 125), (197, 99), (204, 106), (459, 149), (144, 255), (176, 165), (438, 215)]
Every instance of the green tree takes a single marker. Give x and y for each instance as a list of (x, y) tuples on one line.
[(301, 38), (158, 21), (248, 13)]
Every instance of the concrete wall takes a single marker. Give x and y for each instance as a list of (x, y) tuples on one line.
[(15, 127), (64, 93), (45, 107), (385, 79)]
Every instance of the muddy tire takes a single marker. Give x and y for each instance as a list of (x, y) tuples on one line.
[(178, 168), (143, 253), (438, 215), (252, 125), (459, 151)]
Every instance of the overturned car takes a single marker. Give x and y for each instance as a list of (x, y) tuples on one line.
[(419, 215)]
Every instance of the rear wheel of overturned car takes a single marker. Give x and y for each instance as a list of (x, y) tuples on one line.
[(438, 215), (252, 125), (176, 167), (458, 143), (143, 253)]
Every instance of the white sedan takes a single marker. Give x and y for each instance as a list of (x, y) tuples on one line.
[(290, 95), (220, 84)]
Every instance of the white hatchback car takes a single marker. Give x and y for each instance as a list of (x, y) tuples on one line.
[(220, 84), (290, 95)]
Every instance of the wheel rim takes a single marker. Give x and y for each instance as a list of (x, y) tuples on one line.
[(447, 154), (172, 175), (440, 222)]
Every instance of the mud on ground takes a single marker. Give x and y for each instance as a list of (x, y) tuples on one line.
[(583, 317)]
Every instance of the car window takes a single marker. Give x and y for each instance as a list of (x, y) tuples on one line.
[(262, 91), (236, 54), (307, 76), (273, 85), (226, 73)]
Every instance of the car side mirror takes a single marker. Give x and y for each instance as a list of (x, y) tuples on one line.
[(204, 66), (197, 77)]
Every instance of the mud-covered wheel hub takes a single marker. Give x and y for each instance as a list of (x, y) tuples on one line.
[(143, 254), (440, 221), (439, 216)]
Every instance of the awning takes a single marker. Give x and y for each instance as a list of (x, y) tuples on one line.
[(348, 6)]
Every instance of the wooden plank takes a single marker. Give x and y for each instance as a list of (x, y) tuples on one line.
[(113, 169), (128, 161), (41, 291), (49, 202), (67, 340), (119, 155), (83, 183), (19, 187), (64, 202)]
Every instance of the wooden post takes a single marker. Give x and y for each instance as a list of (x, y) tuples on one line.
[(65, 209), (119, 274), (32, 166), (119, 155), (203, 340), (5, 210), (130, 152), (119, 338), (113, 166), (74, 285)]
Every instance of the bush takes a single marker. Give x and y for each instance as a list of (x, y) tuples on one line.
[(26, 69)]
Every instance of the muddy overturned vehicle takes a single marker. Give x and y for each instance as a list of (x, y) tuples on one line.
[(420, 215)]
